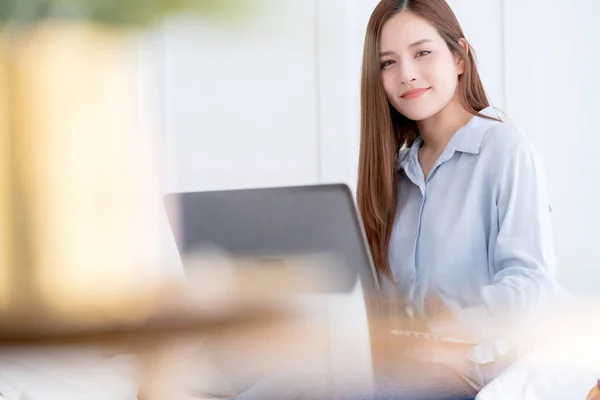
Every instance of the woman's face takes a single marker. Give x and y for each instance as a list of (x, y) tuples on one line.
[(418, 71)]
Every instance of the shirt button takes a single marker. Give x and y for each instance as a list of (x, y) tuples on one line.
[(410, 278)]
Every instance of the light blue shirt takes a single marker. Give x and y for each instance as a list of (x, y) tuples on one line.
[(476, 234)]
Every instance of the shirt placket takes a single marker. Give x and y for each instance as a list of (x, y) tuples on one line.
[(413, 303)]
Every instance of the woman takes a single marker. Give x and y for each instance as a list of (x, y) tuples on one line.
[(453, 201)]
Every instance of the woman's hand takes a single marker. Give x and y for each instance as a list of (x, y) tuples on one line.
[(443, 315)]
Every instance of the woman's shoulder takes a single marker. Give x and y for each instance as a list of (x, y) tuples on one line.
[(506, 147), (505, 138)]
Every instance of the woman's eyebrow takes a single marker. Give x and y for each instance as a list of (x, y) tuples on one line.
[(415, 44)]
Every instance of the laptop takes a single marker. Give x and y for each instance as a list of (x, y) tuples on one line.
[(272, 223)]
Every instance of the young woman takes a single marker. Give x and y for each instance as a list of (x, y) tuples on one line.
[(453, 201)]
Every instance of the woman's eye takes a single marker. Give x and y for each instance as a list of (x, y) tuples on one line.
[(387, 63), (423, 53)]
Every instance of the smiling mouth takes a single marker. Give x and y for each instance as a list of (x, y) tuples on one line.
[(413, 94)]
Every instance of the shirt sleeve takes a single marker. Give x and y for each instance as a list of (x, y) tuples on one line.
[(523, 258)]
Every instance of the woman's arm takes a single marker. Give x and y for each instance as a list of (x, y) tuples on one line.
[(523, 259)]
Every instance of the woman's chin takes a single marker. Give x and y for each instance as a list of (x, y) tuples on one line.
[(418, 114)]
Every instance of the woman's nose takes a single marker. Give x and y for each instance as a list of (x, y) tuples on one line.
[(407, 74)]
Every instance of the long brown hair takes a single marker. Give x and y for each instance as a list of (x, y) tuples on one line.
[(384, 131)]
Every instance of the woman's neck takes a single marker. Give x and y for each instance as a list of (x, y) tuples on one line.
[(439, 129)]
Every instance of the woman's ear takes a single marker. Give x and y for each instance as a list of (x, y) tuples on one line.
[(461, 62)]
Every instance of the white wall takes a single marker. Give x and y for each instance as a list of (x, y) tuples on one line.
[(553, 54), (240, 100), (482, 24)]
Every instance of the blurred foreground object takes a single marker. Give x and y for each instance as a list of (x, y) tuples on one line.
[(237, 312), (213, 298), (594, 393), (79, 175), (80, 183), (115, 13), (80, 204)]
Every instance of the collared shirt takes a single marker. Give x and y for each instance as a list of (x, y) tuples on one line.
[(475, 235)]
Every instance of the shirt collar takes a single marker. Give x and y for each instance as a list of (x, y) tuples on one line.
[(467, 139)]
